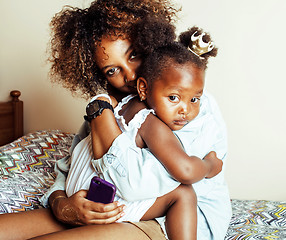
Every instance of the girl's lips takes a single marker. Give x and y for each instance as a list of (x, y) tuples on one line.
[(181, 122)]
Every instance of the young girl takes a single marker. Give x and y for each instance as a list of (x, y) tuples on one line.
[(174, 93)]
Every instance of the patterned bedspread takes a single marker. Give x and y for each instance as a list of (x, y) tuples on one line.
[(26, 168), (257, 219), (26, 172)]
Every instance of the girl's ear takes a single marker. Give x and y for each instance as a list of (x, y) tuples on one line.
[(142, 88)]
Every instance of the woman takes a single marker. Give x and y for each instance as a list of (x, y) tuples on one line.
[(118, 65), (77, 33)]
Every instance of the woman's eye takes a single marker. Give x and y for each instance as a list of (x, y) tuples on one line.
[(174, 98), (133, 55), (111, 72), (194, 100)]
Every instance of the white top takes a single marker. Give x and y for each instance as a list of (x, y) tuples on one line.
[(205, 133), (84, 167)]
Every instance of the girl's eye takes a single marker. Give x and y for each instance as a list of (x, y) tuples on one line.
[(194, 100), (111, 72), (173, 98)]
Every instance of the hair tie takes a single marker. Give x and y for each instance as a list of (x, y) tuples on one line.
[(198, 46)]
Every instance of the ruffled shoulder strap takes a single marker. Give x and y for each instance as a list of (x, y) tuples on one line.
[(122, 103), (136, 122), (140, 118)]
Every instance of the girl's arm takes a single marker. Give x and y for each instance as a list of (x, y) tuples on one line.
[(162, 143), (144, 176), (165, 146)]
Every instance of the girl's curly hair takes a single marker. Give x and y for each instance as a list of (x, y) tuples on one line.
[(185, 37), (151, 33), (174, 52), (77, 32)]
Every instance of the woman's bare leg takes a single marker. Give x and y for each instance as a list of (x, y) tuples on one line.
[(114, 231), (28, 224), (180, 208)]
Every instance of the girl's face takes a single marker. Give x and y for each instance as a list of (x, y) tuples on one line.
[(175, 95), (118, 62)]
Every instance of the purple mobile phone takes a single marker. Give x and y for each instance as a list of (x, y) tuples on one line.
[(101, 191)]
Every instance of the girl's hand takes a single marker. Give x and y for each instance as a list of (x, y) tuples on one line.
[(215, 164), (77, 210)]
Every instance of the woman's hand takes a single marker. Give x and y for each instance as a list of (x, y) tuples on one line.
[(215, 164), (77, 210)]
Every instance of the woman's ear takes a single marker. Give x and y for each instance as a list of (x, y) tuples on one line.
[(142, 88)]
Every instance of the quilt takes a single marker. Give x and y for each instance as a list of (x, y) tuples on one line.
[(257, 219), (26, 172), (26, 168)]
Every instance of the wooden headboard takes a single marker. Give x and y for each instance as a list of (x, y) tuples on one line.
[(11, 119)]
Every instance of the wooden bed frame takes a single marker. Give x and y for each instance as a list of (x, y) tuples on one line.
[(11, 119)]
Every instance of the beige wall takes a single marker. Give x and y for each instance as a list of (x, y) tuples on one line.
[(247, 78), (24, 36)]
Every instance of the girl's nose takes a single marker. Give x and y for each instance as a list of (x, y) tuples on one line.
[(185, 109)]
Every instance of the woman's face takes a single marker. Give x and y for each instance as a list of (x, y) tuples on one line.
[(119, 63)]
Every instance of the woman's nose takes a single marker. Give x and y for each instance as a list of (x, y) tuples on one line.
[(130, 74), (131, 77)]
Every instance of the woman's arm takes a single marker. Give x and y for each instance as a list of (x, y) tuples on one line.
[(77, 210), (104, 130), (167, 149)]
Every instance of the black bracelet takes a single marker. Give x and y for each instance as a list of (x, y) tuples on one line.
[(95, 109)]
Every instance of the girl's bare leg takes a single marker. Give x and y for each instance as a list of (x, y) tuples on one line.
[(114, 231), (180, 208), (28, 224)]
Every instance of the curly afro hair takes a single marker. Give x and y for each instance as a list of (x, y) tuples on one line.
[(151, 33), (77, 32), (172, 53)]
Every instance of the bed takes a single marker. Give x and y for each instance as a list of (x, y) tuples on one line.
[(26, 172)]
